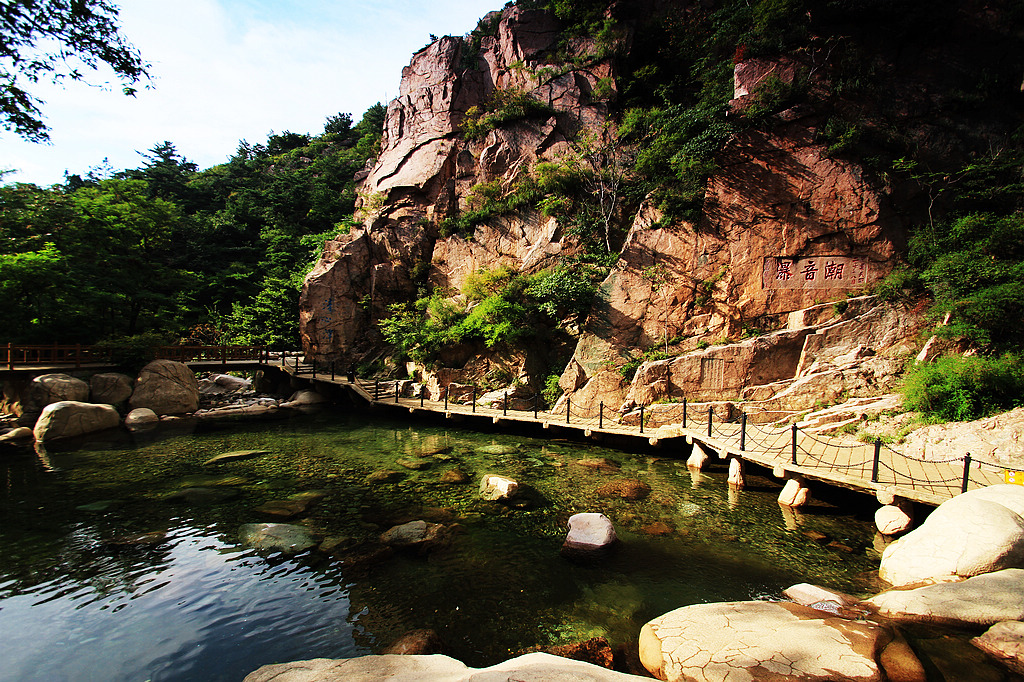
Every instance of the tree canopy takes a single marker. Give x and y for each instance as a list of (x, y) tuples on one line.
[(57, 39)]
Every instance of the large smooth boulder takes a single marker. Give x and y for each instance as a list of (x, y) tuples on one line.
[(589, 533), (72, 418), (282, 537), (47, 389), (977, 532), (111, 388), (772, 641), (436, 667), (166, 387), (141, 418), (981, 600)]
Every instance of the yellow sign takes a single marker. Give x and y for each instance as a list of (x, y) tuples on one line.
[(1014, 477)]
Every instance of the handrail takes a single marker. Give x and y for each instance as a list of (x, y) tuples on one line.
[(78, 354)]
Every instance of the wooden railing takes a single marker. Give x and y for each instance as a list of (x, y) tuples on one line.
[(77, 355)]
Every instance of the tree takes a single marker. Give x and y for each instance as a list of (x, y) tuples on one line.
[(56, 39)]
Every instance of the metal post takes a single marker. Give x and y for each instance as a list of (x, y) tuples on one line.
[(446, 389), (684, 413), (421, 395), (641, 419), (10, 355), (967, 473), (474, 399), (396, 390), (78, 356), (711, 413), (296, 365), (314, 368), (600, 416), (568, 409), (376, 389), (874, 465), (333, 362), (794, 444), (224, 356), (535, 403), (504, 405), (743, 432)]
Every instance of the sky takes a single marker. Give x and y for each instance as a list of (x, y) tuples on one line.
[(229, 70)]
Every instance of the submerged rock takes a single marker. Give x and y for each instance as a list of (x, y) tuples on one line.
[(455, 476), (282, 537), (417, 642), (414, 464), (496, 449), (385, 476), (418, 535), (498, 488), (202, 495), (595, 650), (625, 488), (292, 506), (235, 455)]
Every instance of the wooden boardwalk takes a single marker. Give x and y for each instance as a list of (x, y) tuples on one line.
[(788, 451)]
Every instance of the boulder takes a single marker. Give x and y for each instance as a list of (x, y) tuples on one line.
[(72, 418), (589, 533), (303, 398), (977, 532), (400, 668), (625, 488), (1005, 642), (141, 417), (292, 506), (385, 476), (281, 537), (498, 488), (454, 476), (17, 435), (418, 535), (595, 650), (166, 387), (47, 389), (110, 388), (893, 519), (795, 493), (981, 600), (770, 641)]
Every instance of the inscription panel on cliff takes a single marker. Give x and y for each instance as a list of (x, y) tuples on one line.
[(816, 272)]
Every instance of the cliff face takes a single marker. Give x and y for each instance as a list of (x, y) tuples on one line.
[(785, 226)]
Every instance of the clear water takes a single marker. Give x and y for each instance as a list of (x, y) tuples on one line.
[(77, 603)]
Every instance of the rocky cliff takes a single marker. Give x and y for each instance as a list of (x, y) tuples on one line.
[(786, 225)]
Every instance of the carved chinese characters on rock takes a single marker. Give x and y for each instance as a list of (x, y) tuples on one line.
[(817, 272)]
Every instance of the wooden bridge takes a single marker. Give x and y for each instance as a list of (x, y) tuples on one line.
[(787, 450), (25, 358)]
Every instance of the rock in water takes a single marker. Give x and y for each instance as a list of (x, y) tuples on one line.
[(981, 600), (141, 418), (498, 488), (454, 476), (977, 532), (1005, 642), (282, 537), (625, 488), (414, 535), (166, 387), (769, 641), (201, 496), (71, 418), (590, 534), (417, 642)]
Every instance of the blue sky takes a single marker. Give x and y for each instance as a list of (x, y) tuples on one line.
[(227, 70)]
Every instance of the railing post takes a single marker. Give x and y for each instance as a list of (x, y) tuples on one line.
[(78, 356), (376, 389), (641, 419), (600, 416), (794, 444), (332, 369), (422, 391), (396, 390), (568, 409), (10, 355), (473, 409), (967, 473), (504, 405), (314, 368), (296, 365), (743, 432), (446, 389), (535, 403), (711, 413), (874, 464), (684, 413), (224, 357)]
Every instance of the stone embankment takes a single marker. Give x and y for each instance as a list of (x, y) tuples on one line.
[(55, 406)]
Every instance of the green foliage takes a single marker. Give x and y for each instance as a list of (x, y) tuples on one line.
[(502, 107), (565, 291), (965, 388), (132, 353), (551, 391), (57, 39), (974, 268)]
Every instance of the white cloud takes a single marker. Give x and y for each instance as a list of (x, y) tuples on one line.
[(226, 70)]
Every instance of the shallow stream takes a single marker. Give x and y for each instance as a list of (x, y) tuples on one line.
[(85, 594)]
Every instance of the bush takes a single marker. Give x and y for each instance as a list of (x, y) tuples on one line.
[(503, 106), (132, 353), (551, 391), (965, 388)]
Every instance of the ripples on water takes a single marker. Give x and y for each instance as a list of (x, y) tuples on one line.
[(76, 604)]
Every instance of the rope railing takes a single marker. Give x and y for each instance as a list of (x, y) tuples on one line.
[(873, 463)]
